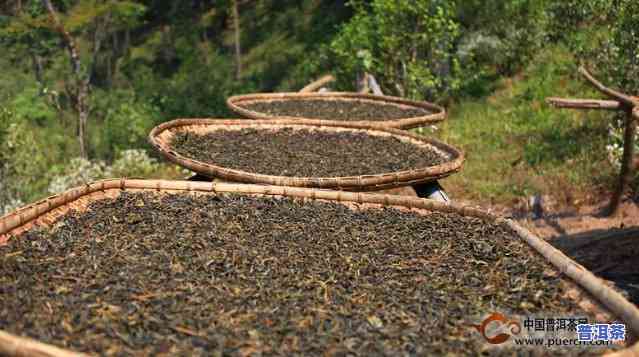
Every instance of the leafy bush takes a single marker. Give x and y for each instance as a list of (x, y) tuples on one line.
[(618, 55), (408, 46), (503, 34), (79, 171), (126, 123), (198, 88), (134, 163), (21, 163), (617, 64)]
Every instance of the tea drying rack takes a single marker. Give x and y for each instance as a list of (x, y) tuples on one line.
[(316, 91), (588, 291)]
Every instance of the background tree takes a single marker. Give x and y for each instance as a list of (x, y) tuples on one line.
[(407, 45), (237, 32)]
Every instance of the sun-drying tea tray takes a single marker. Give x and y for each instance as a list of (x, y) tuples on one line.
[(354, 108), (315, 154), (178, 267)]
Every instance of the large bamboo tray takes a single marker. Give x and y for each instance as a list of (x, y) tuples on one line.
[(437, 113), (590, 292), (160, 137)]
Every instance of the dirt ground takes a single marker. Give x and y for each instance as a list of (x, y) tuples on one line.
[(607, 246)]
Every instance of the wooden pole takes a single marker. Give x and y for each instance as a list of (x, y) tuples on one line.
[(317, 84), (584, 103), (620, 101), (627, 164)]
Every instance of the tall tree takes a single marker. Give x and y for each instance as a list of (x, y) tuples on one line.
[(82, 79), (237, 30)]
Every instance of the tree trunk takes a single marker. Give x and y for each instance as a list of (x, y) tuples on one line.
[(627, 164), (38, 71), (238, 48), (83, 116), (81, 79)]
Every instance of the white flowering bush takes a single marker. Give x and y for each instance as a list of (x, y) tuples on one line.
[(21, 161), (11, 205), (134, 163), (129, 163), (79, 171)]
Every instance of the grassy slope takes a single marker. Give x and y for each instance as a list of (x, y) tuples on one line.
[(516, 145)]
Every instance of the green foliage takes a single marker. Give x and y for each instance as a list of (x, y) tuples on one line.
[(79, 171), (30, 104), (126, 122), (21, 162), (618, 55), (407, 45), (615, 57), (121, 14), (518, 146), (159, 60), (503, 35)]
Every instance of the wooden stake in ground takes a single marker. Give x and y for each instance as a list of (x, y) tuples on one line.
[(317, 84), (620, 101), (368, 83)]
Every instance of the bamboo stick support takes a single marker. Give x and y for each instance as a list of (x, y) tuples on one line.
[(584, 103), (317, 84)]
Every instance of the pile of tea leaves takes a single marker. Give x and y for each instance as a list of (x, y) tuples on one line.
[(347, 110), (153, 273), (304, 152)]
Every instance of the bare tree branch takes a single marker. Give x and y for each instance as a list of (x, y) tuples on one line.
[(68, 39), (628, 104), (313, 86), (625, 99)]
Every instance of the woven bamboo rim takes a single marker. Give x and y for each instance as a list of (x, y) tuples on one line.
[(160, 138), (438, 113), (45, 213)]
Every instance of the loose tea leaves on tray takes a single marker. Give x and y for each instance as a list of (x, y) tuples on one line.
[(305, 153), (335, 109), (235, 275)]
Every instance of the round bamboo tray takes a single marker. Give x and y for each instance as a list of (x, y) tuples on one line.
[(590, 292), (436, 113), (161, 136)]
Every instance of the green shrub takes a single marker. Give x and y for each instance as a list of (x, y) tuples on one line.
[(408, 46), (79, 171), (22, 163), (126, 123)]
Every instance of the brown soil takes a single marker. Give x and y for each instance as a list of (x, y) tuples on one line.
[(608, 246), (304, 153), (347, 110), (234, 275)]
